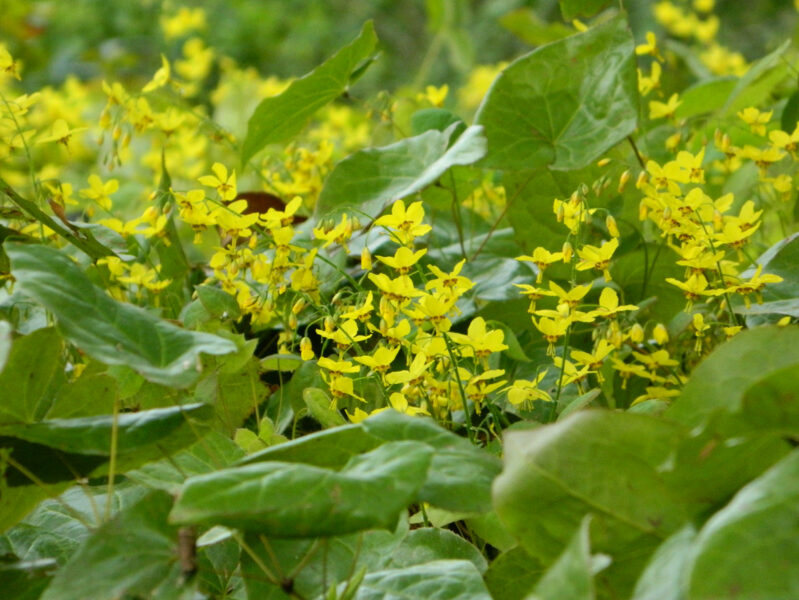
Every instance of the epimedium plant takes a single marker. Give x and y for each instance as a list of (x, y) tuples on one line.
[(548, 354)]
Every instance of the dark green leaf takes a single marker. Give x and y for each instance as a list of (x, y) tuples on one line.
[(790, 113), (599, 462), (87, 396), (572, 9), (278, 118), (32, 375), (368, 180), (132, 554), (525, 24), (218, 303), (298, 500), (513, 574), (441, 579), (665, 576), (758, 81), (750, 549), (110, 331), (534, 116), (435, 118), (425, 545), (705, 97), (720, 381), (572, 574)]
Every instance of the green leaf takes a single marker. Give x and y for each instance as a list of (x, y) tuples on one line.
[(32, 375), (298, 500), (87, 396), (460, 474), (440, 579), (512, 575), (535, 115), (85, 443), (318, 404), (790, 113), (665, 576), (234, 395), (427, 544), (572, 574), (579, 403), (721, 379), (110, 331), (218, 303), (750, 548), (212, 452), (5, 343), (758, 81), (525, 24), (132, 554), (278, 118), (368, 180), (599, 462), (705, 96), (572, 9), (329, 448), (439, 119)]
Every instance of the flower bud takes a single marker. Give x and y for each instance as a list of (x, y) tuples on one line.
[(660, 334), (613, 228), (637, 333), (623, 179), (366, 259)]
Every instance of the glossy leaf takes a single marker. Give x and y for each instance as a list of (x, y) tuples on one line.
[(31, 377), (599, 462), (441, 579), (572, 574), (110, 331), (278, 118), (572, 9), (720, 381), (298, 500), (132, 554), (534, 116), (664, 578), (370, 179), (750, 548)]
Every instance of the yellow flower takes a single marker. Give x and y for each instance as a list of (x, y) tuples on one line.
[(7, 63), (593, 257), (552, 330), (99, 191), (451, 283), (523, 391), (406, 223), (756, 120), (403, 259), (345, 335), (658, 110), (609, 305), (161, 77), (60, 133), (400, 403), (479, 340), (225, 185), (435, 95), (542, 258), (413, 374), (650, 47), (380, 360), (337, 367)]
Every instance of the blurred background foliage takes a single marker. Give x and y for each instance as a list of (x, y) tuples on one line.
[(423, 41)]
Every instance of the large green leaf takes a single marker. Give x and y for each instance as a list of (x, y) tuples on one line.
[(278, 118), (599, 462), (86, 396), (212, 452), (371, 178), (572, 575), (572, 9), (750, 549), (168, 427), (33, 372), (460, 474), (64, 449), (758, 81), (112, 332), (459, 477), (720, 381), (513, 574), (298, 500), (664, 576), (565, 103), (441, 579), (427, 544), (132, 554)]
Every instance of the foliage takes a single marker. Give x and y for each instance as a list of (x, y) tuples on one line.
[(269, 338)]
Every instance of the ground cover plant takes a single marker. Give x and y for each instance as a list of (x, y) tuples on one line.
[(534, 337)]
